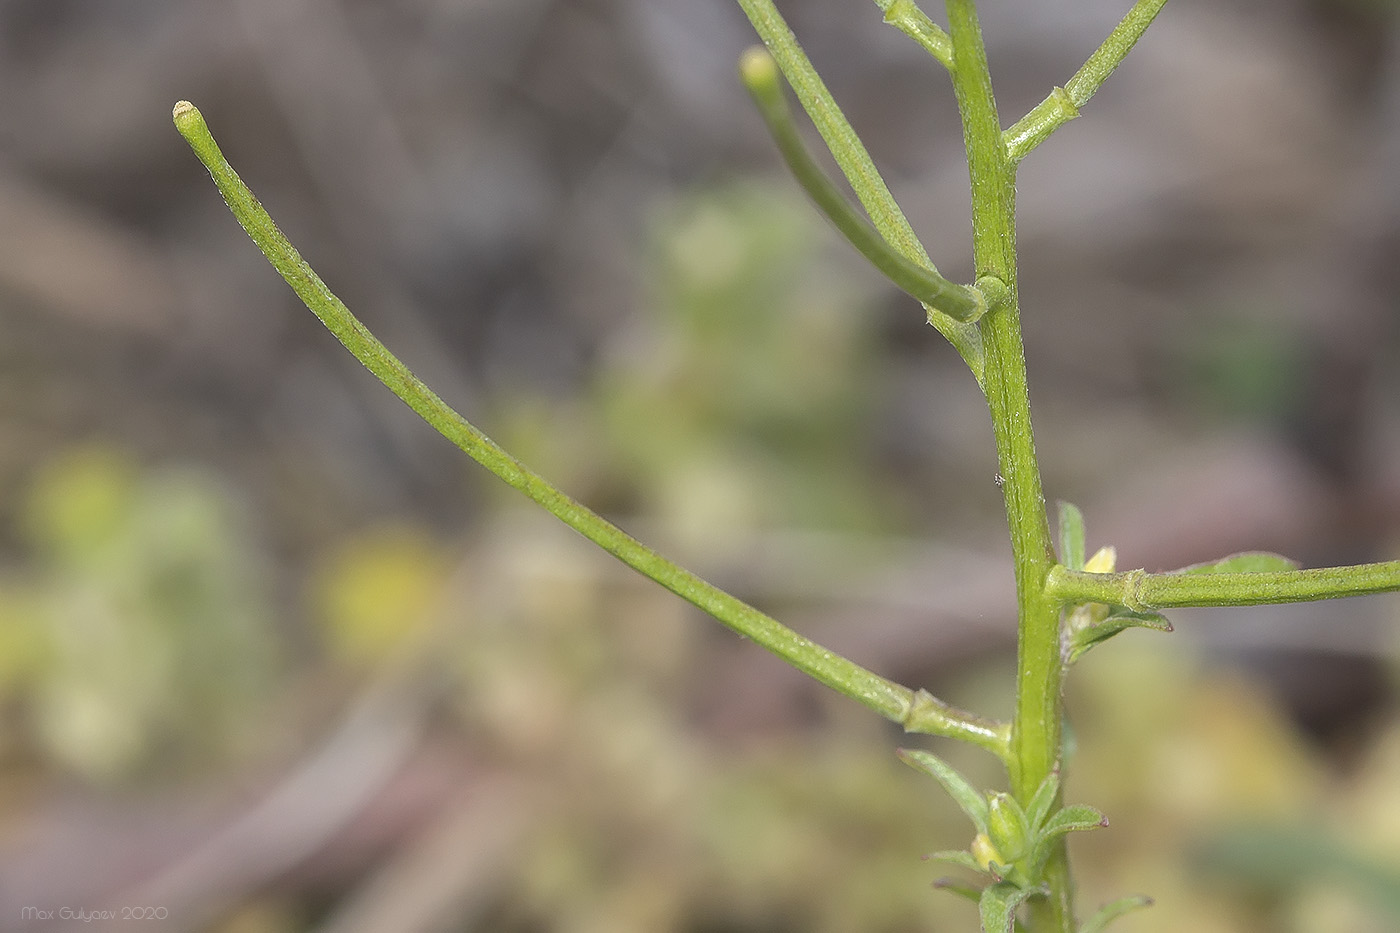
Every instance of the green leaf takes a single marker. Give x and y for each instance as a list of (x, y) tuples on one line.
[(1043, 800), (1070, 819), (1244, 562), (971, 892), (1071, 522), (998, 905), (1112, 911), (959, 857), (964, 794), (1134, 618), (1073, 819), (1118, 619)]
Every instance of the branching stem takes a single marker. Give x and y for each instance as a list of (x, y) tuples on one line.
[(855, 163), (982, 322), (906, 16), (760, 76), (1063, 103)]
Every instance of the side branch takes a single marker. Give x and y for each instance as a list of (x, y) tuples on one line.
[(906, 16), (1142, 591), (855, 163), (760, 76), (1062, 105), (929, 715), (894, 701)]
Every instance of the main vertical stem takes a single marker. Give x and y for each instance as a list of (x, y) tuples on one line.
[(1036, 728)]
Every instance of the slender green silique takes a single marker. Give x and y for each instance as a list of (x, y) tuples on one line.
[(1063, 103), (855, 163), (1142, 591), (760, 76), (917, 711)]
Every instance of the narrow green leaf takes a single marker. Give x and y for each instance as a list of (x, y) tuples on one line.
[(1071, 819), (959, 857), (1244, 562), (1135, 618), (1044, 799), (971, 800), (998, 906), (1074, 818), (1112, 911), (1071, 522), (971, 892), (1118, 619)]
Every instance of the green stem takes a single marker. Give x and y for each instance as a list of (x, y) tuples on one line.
[(906, 16), (918, 712), (1062, 105), (855, 163), (929, 715), (760, 76), (1142, 591), (1036, 727)]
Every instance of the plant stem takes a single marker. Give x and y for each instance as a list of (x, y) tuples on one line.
[(855, 163), (1142, 591), (1062, 104), (1036, 727), (917, 711), (906, 16), (760, 75)]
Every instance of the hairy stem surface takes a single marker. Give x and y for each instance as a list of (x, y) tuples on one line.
[(1063, 103), (1036, 727), (1142, 591)]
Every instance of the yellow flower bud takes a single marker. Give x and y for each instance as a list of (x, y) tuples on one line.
[(985, 853), (1103, 561)]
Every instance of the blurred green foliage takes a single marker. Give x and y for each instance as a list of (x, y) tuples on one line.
[(641, 822), (1197, 769), (744, 398), (138, 634)]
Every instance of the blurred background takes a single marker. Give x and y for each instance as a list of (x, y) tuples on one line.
[(274, 657)]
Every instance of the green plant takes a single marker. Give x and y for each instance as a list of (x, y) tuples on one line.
[(1067, 603)]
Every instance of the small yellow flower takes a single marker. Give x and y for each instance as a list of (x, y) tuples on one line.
[(985, 853), (1103, 561)]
